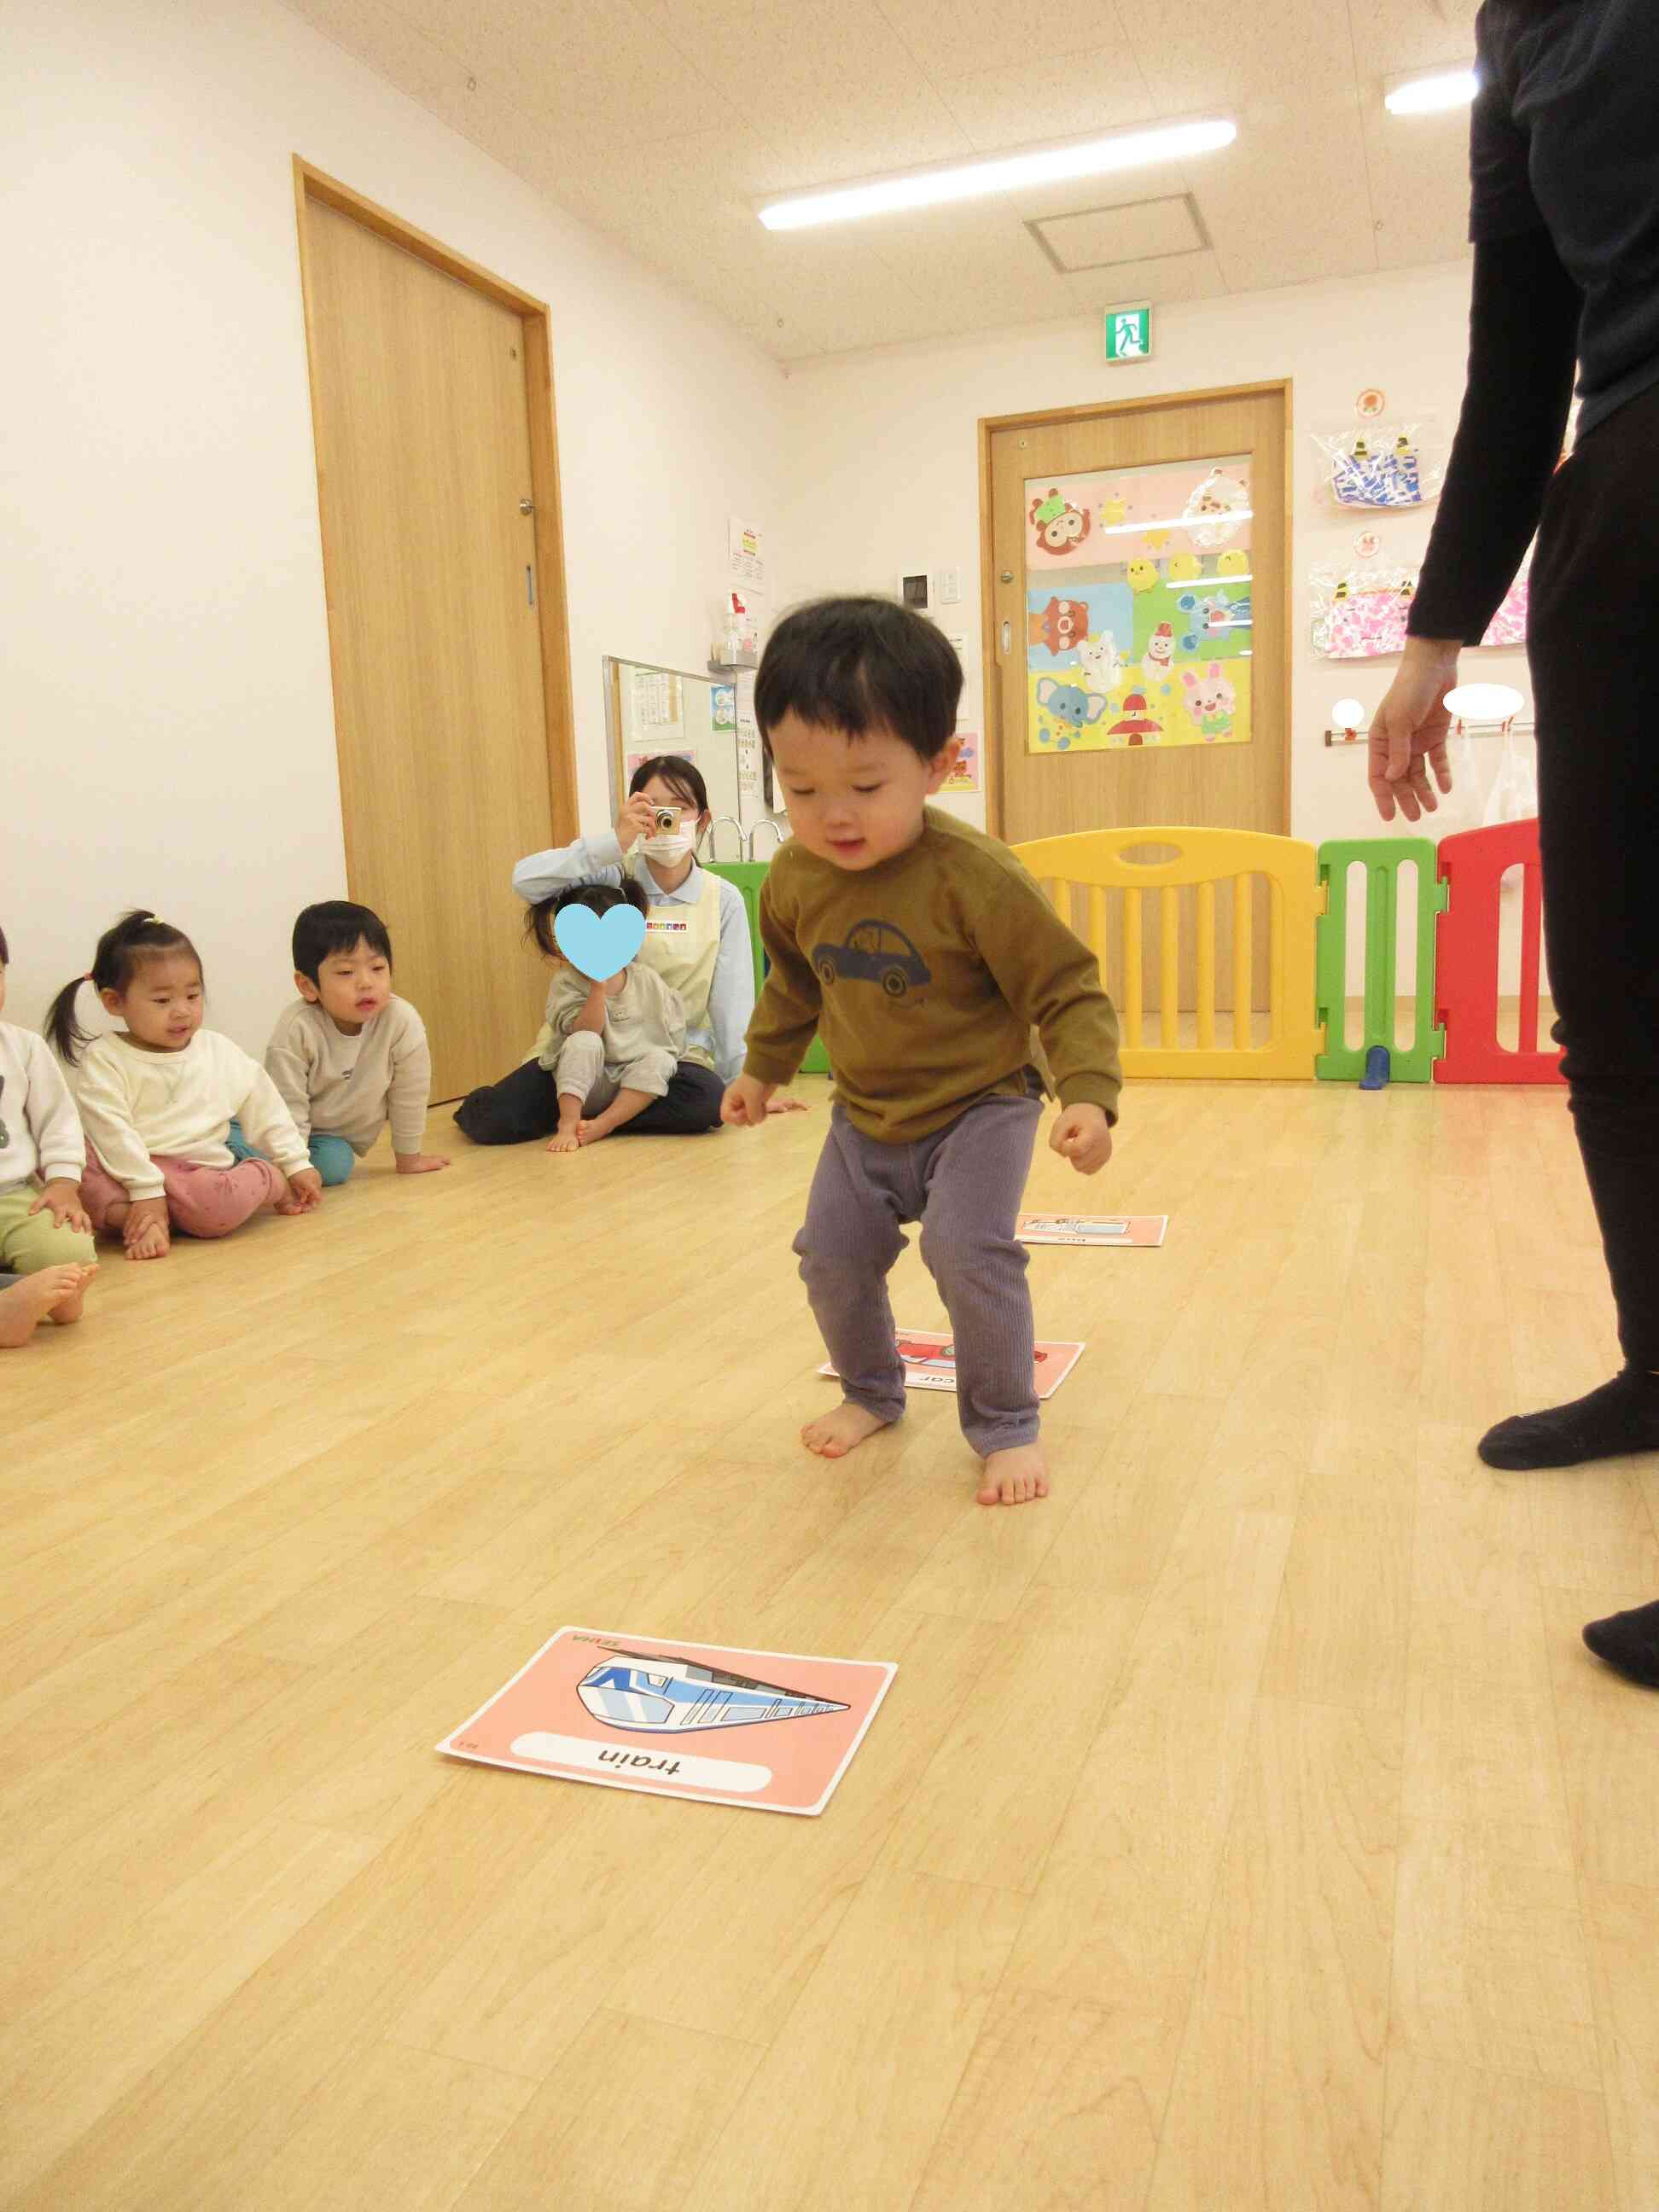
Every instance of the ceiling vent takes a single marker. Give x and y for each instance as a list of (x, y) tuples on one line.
[(1106, 237)]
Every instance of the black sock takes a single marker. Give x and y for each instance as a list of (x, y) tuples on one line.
[(1630, 1642), (1622, 1416)]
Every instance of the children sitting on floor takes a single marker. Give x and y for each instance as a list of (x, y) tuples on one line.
[(45, 1239), (157, 1098), (614, 1045), (347, 1054)]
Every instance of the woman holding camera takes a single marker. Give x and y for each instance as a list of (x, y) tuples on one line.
[(696, 938)]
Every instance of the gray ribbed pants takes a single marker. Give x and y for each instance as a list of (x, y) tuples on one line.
[(964, 1185)]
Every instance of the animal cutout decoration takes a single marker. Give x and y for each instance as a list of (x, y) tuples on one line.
[(1060, 524)]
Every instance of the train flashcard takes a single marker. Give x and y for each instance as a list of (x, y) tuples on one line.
[(675, 1719), (930, 1362), (1144, 1230)]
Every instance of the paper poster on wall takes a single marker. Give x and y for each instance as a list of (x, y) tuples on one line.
[(657, 701), (930, 1362), (1146, 639), (965, 775), (676, 752), (744, 555), (723, 706), (675, 1719)]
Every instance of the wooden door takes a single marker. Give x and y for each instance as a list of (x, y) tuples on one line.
[(435, 539), (1182, 764)]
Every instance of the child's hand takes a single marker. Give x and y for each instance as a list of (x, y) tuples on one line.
[(1084, 1136), (420, 1162), (305, 1193), (744, 1105), (62, 1198), (145, 1232)]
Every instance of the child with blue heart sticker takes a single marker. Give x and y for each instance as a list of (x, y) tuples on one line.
[(600, 945), (617, 1029)]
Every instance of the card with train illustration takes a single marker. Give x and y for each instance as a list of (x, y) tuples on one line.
[(1143, 1231), (930, 1362), (673, 1718)]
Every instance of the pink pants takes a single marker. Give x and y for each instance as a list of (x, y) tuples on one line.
[(201, 1201)]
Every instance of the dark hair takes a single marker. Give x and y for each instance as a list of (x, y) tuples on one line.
[(597, 898), (122, 952), (860, 665), (677, 773), (5, 957), (336, 925)]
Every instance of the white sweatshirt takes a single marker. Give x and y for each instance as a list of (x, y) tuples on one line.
[(37, 1113), (345, 1086), (139, 1107)]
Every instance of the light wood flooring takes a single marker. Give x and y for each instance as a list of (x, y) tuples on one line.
[(1246, 1827)]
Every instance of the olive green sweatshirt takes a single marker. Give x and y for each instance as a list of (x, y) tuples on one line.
[(926, 976)]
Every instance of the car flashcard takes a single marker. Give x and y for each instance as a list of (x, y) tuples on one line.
[(675, 1719), (1145, 1230), (930, 1362)]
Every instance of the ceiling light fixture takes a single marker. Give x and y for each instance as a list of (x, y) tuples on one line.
[(1430, 96), (1008, 172)]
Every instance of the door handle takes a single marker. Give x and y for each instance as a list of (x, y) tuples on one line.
[(1007, 639)]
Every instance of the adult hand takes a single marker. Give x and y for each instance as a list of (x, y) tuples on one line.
[(62, 1200), (1408, 731), (1083, 1135), (636, 820), (745, 1103)]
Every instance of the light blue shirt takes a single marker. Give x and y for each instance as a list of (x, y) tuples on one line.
[(719, 1028)]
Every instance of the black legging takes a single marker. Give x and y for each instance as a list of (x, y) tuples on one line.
[(525, 1104), (1590, 626)]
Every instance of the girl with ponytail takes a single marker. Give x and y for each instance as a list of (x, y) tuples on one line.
[(157, 1096)]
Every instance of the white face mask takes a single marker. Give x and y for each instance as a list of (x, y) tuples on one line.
[(667, 849)]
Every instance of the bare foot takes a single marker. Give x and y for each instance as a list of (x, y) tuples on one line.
[(594, 1132), (25, 1304), (152, 1241), (1014, 1477), (68, 1308), (566, 1141), (837, 1433)]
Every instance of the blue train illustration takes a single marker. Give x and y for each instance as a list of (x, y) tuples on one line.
[(669, 1696)]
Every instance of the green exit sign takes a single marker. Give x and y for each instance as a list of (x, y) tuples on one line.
[(1128, 335)]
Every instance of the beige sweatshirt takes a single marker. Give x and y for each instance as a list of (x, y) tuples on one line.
[(139, 1107), (347, 1086), (647, 1014), (931, 977), (43, 1130)]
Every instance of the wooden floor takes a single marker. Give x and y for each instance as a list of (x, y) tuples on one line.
[(1247, 1827)]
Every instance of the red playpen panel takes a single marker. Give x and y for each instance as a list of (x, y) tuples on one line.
[(1473, 863)]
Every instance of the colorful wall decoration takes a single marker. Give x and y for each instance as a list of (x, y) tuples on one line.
[(1139, 608), (1360, 614)]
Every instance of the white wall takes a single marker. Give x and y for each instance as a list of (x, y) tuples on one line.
[(890, 478), (166, 717)]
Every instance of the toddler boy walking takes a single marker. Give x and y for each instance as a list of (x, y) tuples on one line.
[(925, 956)]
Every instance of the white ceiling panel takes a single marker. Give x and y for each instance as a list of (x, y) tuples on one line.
[(665, 123)]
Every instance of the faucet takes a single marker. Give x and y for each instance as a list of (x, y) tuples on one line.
[(713, 830), (749, 844)]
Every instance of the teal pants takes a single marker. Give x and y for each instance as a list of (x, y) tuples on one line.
[(332, 1157)]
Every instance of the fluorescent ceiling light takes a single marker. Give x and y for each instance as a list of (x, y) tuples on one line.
[(1429, 96), (1008, 172)]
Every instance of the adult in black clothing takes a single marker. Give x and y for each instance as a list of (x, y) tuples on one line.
[(1564, 159)]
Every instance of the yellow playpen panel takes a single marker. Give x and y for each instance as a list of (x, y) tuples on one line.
[(1096, 861)]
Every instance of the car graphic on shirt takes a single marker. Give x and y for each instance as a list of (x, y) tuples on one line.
[(875, 952)]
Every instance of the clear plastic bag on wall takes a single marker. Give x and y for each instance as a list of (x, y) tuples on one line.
[(1360, 614), (1382, 464)]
